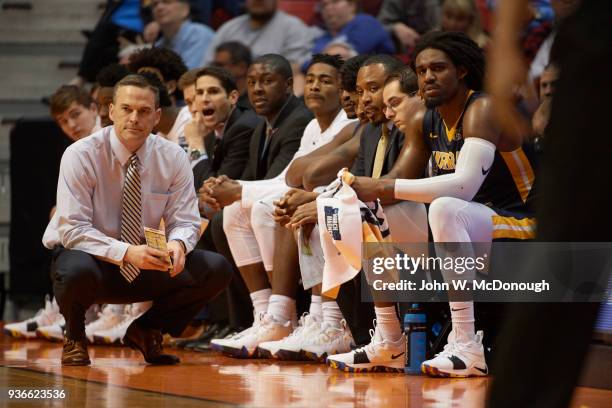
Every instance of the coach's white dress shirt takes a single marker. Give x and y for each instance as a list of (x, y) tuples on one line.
[(89, 192)]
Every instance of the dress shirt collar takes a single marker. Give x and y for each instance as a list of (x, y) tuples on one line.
[(123, 154)]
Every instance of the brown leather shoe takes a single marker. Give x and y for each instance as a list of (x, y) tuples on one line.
[(149, 342), (75, 353)]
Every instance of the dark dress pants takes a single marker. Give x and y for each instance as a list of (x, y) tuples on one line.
[(80, 280)]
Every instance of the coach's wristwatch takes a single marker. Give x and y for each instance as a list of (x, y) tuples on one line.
[(195, 154)]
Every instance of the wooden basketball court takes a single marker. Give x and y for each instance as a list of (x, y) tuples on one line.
[(118, 377)]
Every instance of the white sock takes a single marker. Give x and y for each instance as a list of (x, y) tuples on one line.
[(315, 306), (388, 323), (462, 315), (332, 314), (260, 299), (281, 308), (141, 307), (117, 309)]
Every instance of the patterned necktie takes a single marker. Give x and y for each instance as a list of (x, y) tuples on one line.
[(381, 149), (131, 214)]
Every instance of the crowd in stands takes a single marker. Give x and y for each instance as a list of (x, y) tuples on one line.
[(267, 110)]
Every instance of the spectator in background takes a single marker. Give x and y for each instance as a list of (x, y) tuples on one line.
[(121, 18), (341, 48), (209, 12), (213, 13), (75, 111), (406, 20), (263, 30), (236, 58), (540, 118), (548, 81), (188, 39), (562, 9), (362, 31), (106, 80), (463, 16)]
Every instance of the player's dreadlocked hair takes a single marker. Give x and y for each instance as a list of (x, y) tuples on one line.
[(331, 60), (460, 49), (348, 72), (169, 63)]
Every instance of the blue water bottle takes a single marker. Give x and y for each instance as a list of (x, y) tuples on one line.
[(415, 328)]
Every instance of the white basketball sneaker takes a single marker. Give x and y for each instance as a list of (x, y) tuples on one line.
[(53, 331), (27, 328), (219, 343), (244, 344), (290, 348), (379, 356), (114, 334), (458, 359), (329, 340), (107, 318)]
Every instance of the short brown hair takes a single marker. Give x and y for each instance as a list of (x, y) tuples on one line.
[(224, 77), (188, 78), (65, 95), (407, 80), (138, 81)]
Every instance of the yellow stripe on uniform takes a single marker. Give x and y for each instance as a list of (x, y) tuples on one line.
[(511, 227), (521, 170)]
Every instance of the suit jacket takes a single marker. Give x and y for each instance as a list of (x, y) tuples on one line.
[(229, 154), (289, 126), (364, 163)]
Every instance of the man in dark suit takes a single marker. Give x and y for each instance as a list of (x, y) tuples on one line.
[(276, 139), (227, 145), (273, 144)]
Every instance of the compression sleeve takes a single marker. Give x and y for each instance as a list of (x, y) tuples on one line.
[(473, 164)]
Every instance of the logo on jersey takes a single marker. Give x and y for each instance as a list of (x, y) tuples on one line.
[(432, 136), (485, 172), (445, 160), (331, 222)]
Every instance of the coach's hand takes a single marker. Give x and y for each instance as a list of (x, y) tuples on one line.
[(178, 257), (145, 257)]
